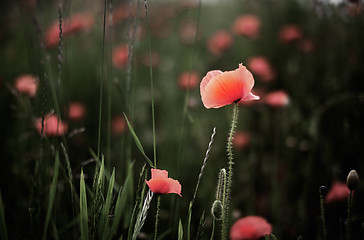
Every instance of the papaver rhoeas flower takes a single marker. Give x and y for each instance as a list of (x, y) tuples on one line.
[(277, 99), (76, 111), (247, 26), (290, 33), (188, 31), (219, 42), (120, 56), (241, 140), (338, 192), (53, 126), (77, 23), (219, 88), (250, 228), (160, 183), (188, 80), (118, 125), (27, 84), (260, 66)]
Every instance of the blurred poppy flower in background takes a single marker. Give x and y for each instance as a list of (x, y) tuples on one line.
[(120, 56), (250, 228), (290, 33), (187, 31), (155, 57), (338, 192), (247, 25), (277, 99), (160, 183), (219, 88), (76, 111), (188, 80), (118, 125), (307, 45), (77, 23), (219, 42), (241, 140), (27, 84), (53, 126), (261, 67)]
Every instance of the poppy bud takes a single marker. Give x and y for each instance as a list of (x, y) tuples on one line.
[(216, 210), (352, 180)]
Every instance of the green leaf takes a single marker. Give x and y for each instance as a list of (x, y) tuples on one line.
[(106, 207), (137, 142), (52, 193), (83, 208), (180, 230)]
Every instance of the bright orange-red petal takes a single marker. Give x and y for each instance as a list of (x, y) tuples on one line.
[(220, 89), (164, 186), (157, 173)]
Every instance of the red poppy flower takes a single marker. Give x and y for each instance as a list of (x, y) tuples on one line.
[(338, 192), (53, 126), (188, 80), (120, 56), (27, 84), (260, 66), (241, 140), (118, 125), (247, 25), (160, 183), (219, 88), (277, 99), (290, 33), (219, 42), (250, 228), (76, 111)]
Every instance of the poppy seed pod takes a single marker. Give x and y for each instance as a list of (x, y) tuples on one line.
[(216, 209), (352, 180)]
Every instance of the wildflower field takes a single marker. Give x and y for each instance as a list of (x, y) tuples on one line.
[(182, 119)]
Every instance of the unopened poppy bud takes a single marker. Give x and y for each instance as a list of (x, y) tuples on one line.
[(322, 189), (216, 210), (352, 180)]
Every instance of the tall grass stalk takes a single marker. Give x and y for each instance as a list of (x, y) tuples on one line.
[(151, 82), (142, 215), (102, 80), (109, 89), (52, 193), (322, 211), (83, 208), (227, 193)]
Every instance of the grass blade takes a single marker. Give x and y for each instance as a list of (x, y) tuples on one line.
[(52, 194), (137, 142), (98, 198), (3, 229), (83, 208), (107, 204), (180, 230)]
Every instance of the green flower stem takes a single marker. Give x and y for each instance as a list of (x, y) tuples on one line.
[(157, 218), (324, 231), (348, 221), (226, 198)]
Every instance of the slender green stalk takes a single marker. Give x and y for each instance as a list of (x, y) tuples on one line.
[(102, 80), (226, 200), (348, 221), (324, 231), (213, 229), (83, 208), (157, 218), (151, 82), (109, 91)]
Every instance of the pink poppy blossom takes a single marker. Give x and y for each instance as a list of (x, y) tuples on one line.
[(219, 42), (77, 23), (277, 99), (155, 57), (290, 33), (188, 80), (339, 191), (241, 140), (187, 31), (53, 126), (120, 56), (247, 25), (76, 111), (160, 183), (118, 125), (250, 228), (261, 67), (27, 84), (219, 88)]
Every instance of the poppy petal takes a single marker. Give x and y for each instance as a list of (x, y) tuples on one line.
[(207, 79), (157, 173), (164, 186), (250, 97)]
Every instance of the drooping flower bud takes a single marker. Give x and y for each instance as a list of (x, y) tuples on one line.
[(352, 180), (216, 209)]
